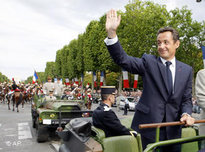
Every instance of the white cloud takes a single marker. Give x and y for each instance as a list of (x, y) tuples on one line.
[(31, 31), (196, 8)]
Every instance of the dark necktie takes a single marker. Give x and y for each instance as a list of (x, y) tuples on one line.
[(169, 77)]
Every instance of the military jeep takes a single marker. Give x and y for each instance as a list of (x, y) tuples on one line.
[(48, 115), (92, 139)]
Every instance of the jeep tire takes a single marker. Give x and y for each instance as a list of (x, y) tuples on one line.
[(41, 132)]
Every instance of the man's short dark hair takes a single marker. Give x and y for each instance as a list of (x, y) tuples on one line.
[(174, 32), (104, 96), (49, 78)]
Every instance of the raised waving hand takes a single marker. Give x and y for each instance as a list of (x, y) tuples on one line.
[(112, 23)]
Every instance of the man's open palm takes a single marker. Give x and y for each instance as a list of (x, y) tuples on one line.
[(112, 23)]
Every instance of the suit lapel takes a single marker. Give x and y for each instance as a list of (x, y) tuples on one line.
[(163, 73)]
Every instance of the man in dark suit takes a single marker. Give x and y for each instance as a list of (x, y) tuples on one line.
[(105, 118), (167, 88)]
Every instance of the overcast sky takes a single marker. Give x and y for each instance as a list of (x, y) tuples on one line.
[(31, 31)]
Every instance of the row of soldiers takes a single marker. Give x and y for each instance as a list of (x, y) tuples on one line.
[(48, 90), (57, 90), (8, 88)]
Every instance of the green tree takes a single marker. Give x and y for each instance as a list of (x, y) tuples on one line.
[(79, 61), (3, 78), (190, 34), (139, 26), (137, 34), (64, 59), (91, 47), (29, 79), (41, 78), (58, 63), (50, 70), (71, 59)]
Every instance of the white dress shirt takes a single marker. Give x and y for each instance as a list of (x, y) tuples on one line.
[(111, 41), (172, 67)]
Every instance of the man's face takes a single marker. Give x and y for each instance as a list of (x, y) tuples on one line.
[(166, 45), (112, 98), (68, 92)]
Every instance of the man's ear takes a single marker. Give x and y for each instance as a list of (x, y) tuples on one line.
[(177, 43), (109, 97)]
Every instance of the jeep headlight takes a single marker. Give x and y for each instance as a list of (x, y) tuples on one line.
[(52, 115)]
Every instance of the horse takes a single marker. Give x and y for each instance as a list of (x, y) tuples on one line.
[(29, 95), (4, 94), (23, 92), (9, 98), (17, 99), (1, 93)]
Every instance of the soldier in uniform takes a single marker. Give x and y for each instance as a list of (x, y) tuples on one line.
[(14, 86), (50, 97), (67, 94), (58, 88), (48, 86), (105, 118)]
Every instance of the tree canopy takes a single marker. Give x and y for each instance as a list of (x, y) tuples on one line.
[(3, 77), (137, 34)]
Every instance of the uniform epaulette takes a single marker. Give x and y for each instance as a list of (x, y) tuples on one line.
[(106, 108)]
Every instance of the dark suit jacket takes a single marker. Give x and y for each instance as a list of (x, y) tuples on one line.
[(105, 119), (155, 104)]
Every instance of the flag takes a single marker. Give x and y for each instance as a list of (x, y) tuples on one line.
[(203, 52), (67, 82), (101, 78), (55, 80), (35, 77), (95, 79), (76, 80), (135, 81), (72, 82), (125, 79)]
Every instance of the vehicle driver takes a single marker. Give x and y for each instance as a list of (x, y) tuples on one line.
[(50, 97), (105, 118)]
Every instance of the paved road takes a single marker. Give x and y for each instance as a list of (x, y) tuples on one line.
[(17, 134)]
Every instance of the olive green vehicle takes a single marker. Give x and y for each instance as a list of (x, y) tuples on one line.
[(92, 139), (48, 115)]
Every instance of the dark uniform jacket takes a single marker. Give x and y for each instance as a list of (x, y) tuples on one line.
[(105, 119), (14, 86)]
